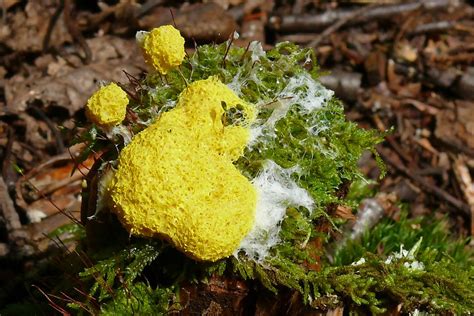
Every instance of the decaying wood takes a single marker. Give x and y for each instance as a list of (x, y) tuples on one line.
[(340, 22)]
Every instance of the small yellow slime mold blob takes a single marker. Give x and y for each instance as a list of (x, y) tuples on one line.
[(107, 107), (176, 179), (163, 48)]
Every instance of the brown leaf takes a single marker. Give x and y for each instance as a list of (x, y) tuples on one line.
[(25, 30), (50, 187), (344, 212), (455, 124), (70, 86), (404, 51)]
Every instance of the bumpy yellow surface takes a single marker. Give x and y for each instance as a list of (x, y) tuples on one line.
[(163, 48), (176, 178), (107, 106)]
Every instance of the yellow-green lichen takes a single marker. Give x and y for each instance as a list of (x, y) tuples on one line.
[(107, 107), (177, 180), (163, 48)]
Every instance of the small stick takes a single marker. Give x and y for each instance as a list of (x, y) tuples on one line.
[(231, 39), (435, 27), (245, 52), (9, 176), (60, 148), (51, 24), (75, 32), (341, 22), (9, 214), (312, 23), (132, 79), (172, 17), (23, 204), (77, 164), (51, 303)]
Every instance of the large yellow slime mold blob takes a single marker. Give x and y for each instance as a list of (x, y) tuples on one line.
[(176, 179)]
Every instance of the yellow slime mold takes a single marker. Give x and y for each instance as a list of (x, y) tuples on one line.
[(107, 106), (163, 48), (176, 179)]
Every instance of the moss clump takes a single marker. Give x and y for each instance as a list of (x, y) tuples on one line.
[(300, 128)]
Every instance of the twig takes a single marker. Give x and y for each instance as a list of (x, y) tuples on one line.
[(51, 303), (457, 147), (60, 148), (435, 27), (391, 140), (172, 18), (25, 178), (342, 21), (231, 39), (8, 174), (9, 214), (311, 23), (75, 32), (440, 193), (51, 24)]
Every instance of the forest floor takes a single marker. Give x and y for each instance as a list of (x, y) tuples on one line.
[(404, 66)]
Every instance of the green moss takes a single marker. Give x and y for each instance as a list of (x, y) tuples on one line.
[(388, 235), (140, 299), (325, 148)]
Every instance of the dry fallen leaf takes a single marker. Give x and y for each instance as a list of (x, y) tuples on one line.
[(404, 51), (69, 86), (26, 29), (455, 124)]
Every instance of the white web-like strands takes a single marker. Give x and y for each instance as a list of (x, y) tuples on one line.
[(275, 188), (301, 90), (276, 191)]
